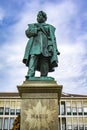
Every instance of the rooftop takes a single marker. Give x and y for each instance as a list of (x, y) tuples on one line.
[(15, 94)]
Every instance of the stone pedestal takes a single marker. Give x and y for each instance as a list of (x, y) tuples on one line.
[(39, 107)]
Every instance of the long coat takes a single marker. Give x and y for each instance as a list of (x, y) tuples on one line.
[(41, 38)]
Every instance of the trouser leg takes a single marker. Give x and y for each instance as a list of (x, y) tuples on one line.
[(32, 66), (44, 66)]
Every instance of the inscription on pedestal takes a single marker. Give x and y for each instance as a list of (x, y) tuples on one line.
[(39, 114)]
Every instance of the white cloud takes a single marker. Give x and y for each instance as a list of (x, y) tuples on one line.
[(71, 72)]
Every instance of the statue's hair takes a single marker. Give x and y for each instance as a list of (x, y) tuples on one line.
[(43, 14)]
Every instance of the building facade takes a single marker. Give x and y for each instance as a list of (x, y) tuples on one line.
[(9, 109), (72, 111)]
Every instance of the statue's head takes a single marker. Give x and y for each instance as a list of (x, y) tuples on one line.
[(41, 17)]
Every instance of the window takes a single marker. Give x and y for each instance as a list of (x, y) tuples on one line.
[(68, 109), (62, 109), (74, 111), (85, 110), (1, 110), (6, 111), (81, 127), (85, 127), (6, 124), (1, 122), (17, 111), (79, 111), (63, 123), (12, 111), (75, 127), (63, 127), (11, 123), (69, 127)]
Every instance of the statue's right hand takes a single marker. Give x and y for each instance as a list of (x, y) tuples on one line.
[(38, 27)]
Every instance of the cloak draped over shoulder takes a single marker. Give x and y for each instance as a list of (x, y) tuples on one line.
[(41, 41)]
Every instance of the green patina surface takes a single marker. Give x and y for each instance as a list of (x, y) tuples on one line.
[(41, 49)]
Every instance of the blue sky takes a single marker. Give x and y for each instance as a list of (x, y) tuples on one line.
[(70, 19)]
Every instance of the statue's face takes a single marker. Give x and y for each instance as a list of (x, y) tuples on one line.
[(40, 18)]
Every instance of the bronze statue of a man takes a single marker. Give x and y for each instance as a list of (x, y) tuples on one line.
[(41, 50)]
